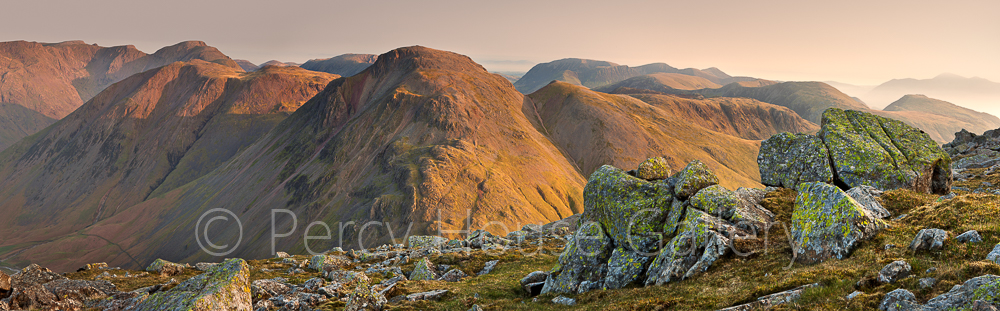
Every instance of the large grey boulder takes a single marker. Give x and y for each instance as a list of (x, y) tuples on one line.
[(629, 209), (984, 288), (787, 160), (884, 153), (895, 271), (899, 300), (827, 223), (224, 287), (583, 260), (929, 239)]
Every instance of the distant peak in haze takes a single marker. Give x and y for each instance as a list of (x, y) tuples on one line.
[(948, 75)]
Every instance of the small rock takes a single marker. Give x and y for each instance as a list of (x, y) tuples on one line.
[(926, 283), (564, 301), (4, 284), (654, 169), (423, 271), (929, 239), (165, 268), (421, 241), (431, 295), (948, 196), (895, 271), (971, 236), (534, 277), (476, 308), (694, 177), (338, 250), (455, 275), (899, 300), (489, 267), (95, 266), (890, 246), (994, 255), (204, 266), (853, 295), (282, 255)]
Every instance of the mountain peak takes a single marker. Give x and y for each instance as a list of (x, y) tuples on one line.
[(418, 58), (950, 76)]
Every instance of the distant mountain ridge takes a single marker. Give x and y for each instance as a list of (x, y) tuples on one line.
[(940, 119), (17, 122), (594, 73), (345, 65)]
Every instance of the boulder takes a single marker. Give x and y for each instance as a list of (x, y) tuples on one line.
[(983, 288), (926, 283), (346, 277), (694, 177), (95, 266), (929, 239), (827, 223), (537, 277), (564, 301), (887, 154), (971, 236), (654, 169), (267, 288), (584, 259), (421, 241), (716, 200), (868, 196), (4, 285), (899, 300), (624, 268), (787, 160), (204, 266), (34, 275), (328, 262), (423, 271), (224, 287), (431, 295), (895, 271), (165, 268), (629, 209), (455, 275), (701, 239)]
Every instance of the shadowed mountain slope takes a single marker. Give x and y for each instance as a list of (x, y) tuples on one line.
[(662, 82), (246, 65), (345, 65), (595, 128), (145, 135), (420, 132), (17, 122), (55, 79), (741, 117)]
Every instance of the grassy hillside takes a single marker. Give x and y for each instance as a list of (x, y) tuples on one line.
[(17, 122), (808, 99)]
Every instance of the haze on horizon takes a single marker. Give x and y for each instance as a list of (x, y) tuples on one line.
[(857, 42)]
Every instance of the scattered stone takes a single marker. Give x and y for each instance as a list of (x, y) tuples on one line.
[(95, 266), (423, 271), (282, 255), (929, 239), (971, 236), (694, 177), (853, 295), (223, 287), (899, 300), (431, 295), (422, 241), (363, 297), (165, 268), (827, 223), (654, 169), (564, 301), (926, 283), (895, 271), (346, 277), (787, 160), (773, 300), (328, 262), (490, 265), (267, 288), (204, 266), (455, 275), (476, 308)]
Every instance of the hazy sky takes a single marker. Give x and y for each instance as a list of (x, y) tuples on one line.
[(860, 42)]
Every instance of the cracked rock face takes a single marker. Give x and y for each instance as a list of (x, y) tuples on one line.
[(827, 223), (887, 154)]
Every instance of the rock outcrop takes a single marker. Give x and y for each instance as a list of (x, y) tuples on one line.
[(225, 287), (863, 149), (827, 223)]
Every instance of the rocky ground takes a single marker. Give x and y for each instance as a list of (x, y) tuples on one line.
[(817, 243)]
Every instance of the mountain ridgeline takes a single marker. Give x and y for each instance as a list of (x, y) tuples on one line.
[(593, 74)]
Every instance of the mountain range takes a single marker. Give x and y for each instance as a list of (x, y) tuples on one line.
[(973, 93), (415, 141)]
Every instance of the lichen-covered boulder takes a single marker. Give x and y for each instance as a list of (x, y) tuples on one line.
[(225, 287), (624, 267), (929, 239), (899, 300), (887, 154), (630, 210), (867, 196), (584, 260), (984, 288), (701, 239), (694, 177), (421, 241), (787, 160), (423, 271), (674, 217), (894, 271), (654, 169), (715, 200), (455, 275), (827, 223)]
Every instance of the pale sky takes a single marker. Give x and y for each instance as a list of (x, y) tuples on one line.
[(859, 42)]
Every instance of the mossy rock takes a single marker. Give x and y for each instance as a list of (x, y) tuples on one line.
[(694, 177), (787, 159), (224, 287), (584, 260), (716, 200), (883, 153), (827, 223), (423, 271), (630, 210), (654, 169)]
